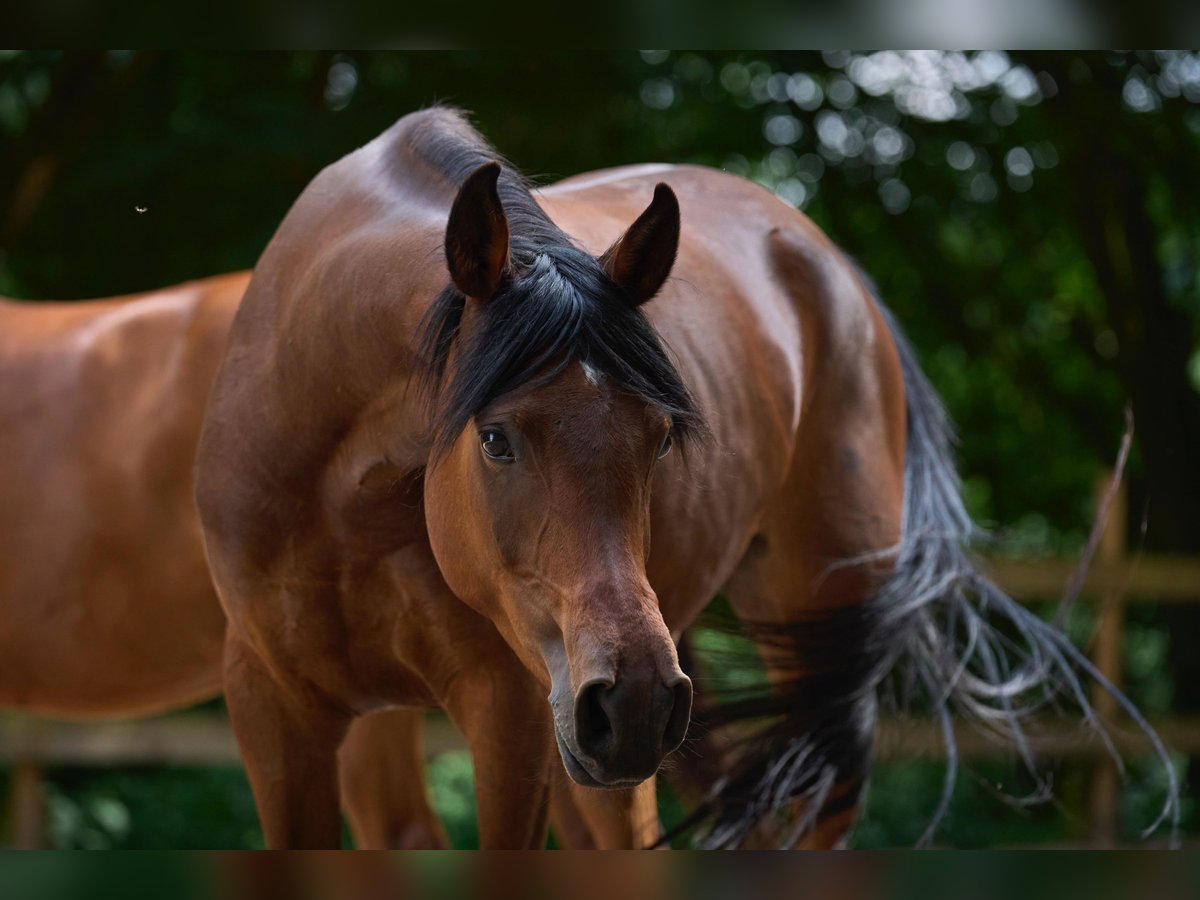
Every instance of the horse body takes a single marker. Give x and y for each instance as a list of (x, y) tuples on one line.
[(361, 567), (106, 607)]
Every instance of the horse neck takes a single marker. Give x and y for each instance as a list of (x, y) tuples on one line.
[(329, 324), (320, 359)]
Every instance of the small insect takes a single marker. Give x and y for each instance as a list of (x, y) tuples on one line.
[(140, 209)]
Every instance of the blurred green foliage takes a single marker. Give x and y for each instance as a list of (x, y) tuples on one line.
[(1033, 218), (451, 781), (152, 808)]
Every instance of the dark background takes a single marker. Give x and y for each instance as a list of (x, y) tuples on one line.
[(1033, 219)]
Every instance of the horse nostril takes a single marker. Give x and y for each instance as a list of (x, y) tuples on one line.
[(627, 727), (681, 715), (593, 728)]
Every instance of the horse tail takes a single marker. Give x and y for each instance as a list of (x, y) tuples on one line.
[(938, 631)]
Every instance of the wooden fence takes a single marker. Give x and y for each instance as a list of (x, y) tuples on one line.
[(1113, 581)]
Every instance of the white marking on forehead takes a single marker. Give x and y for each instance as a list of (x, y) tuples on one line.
[(593, 375)]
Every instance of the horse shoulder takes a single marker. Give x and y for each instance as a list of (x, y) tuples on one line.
[(310, 445)]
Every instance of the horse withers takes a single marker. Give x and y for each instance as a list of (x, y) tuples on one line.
[(477, 447)]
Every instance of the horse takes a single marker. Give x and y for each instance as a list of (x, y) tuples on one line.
[(106, 606), (494, 449)]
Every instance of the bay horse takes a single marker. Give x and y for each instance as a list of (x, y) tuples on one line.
[(106, 606), (493, 450)]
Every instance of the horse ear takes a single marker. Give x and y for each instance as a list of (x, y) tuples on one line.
[(477, 235), (641, 259)]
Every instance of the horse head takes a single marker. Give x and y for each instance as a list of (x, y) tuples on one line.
[(553, 403)]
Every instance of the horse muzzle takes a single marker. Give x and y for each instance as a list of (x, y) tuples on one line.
[(621, 727)]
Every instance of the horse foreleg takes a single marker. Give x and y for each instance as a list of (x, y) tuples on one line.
[(381, 765), (566, 818), (288, 739), (605, 820), (505, 718)]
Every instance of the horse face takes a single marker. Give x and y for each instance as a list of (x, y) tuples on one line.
[(539, 517), (538, 512)]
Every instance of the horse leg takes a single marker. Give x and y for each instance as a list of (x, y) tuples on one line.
[(288, 740), (566, 817), (381, 765), (589, 819), (503, 714)]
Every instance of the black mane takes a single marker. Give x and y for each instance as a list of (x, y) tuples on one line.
[(556, 305)]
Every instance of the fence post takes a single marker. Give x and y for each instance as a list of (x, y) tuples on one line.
[(1105, 793), (27, 815)]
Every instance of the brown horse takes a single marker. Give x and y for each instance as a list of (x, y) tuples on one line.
[(106, 605), (449, 460)]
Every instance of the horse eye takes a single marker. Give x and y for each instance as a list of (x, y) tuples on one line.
[(666, 446), (495, 445)]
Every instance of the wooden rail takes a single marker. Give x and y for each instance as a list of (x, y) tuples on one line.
[(1112, 582), (205, 739), (1147, 579)]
